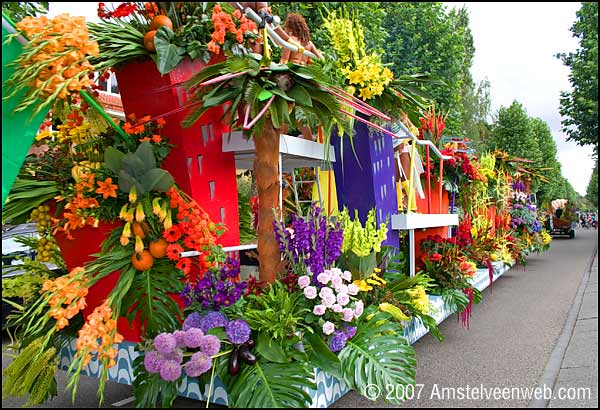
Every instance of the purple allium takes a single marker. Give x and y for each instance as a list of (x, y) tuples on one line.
[(179, 338), (211, 320), (193, 337), (238, 331), (195, 368), (165, 343), (152, 361), (170, 371), (194, 319), (176, 356), (210, 345), (338, 341)]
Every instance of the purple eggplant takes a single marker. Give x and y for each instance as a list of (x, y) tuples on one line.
[(234, 362), (247, 356)]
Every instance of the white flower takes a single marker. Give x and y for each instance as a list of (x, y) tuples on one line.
[(319, 310), (325, 291), (328, 300), (337, 308), (336, 281), (352, 289), (343, 299), (348, 315), (328, 328), (310, 292), (342, 289), (303, 281), (324, 277), (359, 308), (347, 276)]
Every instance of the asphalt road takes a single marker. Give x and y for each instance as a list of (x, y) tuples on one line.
[(512, 334)]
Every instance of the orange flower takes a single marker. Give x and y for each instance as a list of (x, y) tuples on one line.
[(107, 188), (156, 138)]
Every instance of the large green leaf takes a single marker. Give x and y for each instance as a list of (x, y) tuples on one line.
[(146, 154), (270, 349), (272, 385), (133, 165), (157, 179), (378, 354), (113, 158), (321, 356), (168, 54), (149, 296), (300, 95)]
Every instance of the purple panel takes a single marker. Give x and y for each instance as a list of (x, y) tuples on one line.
[(370, 181)]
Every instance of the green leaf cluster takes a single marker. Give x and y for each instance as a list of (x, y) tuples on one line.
[(138, 169)]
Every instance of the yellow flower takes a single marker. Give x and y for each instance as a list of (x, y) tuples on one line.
[(395, 311), (362, 286)]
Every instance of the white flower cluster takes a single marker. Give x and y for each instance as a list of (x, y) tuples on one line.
[(519, 196), (335, 296)]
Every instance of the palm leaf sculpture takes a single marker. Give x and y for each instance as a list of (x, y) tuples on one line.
[(273, 95)]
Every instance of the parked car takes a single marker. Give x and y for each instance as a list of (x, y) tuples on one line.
[(12, 254)]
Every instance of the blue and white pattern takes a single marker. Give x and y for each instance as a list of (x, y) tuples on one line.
[(329, 388)]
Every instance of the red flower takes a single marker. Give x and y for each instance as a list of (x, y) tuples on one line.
[(173, 251), (191, 242), (172, 234), (435, 257), (185, 264)]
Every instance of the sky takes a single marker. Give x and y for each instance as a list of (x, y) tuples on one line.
[(515, 44)]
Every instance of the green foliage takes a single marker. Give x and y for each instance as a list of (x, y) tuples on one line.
[(119, 41), (32, 371), (247, 232), (26, 195), (19, 10), (272, 385), (592, 188), (138, 169), (26, 286), (149, 296), (369, 14), (580, 106), (551, 168), (168, 55), (378, 354), (427, 38), (513, 133), (277, 312)]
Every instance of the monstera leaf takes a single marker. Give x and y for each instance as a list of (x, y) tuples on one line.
[(138, 169), (378, 354), (272, 385)]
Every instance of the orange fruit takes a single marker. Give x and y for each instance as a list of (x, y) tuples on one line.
[(149, 41), (142, 261), (140, 229), (158, 248), (159, 21)]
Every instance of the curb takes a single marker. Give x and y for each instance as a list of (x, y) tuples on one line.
[(552, 369)]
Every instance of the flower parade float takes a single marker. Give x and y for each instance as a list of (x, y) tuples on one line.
[(139, 213)]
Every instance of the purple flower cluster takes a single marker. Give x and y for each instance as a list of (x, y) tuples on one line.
[(340, 337), (518, 186), (312, 241), (167, 357), (238, 331), (216, 289), (212, 320)]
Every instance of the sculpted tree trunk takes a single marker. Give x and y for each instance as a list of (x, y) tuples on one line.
[(266, 174)]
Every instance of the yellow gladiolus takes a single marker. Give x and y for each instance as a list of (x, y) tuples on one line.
[(395, 311)]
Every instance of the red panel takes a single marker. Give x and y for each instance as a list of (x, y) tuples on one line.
[(144, 91), (421, 234)]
